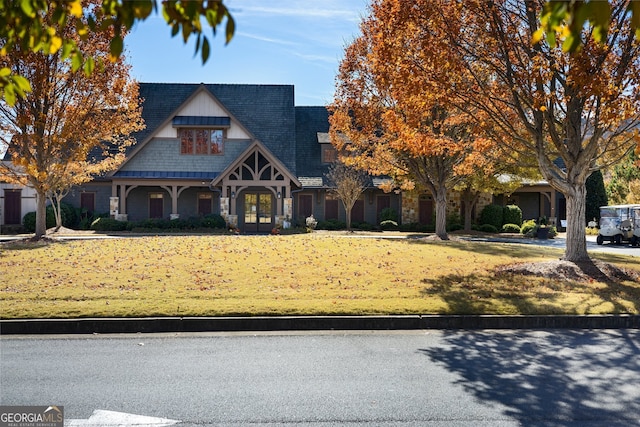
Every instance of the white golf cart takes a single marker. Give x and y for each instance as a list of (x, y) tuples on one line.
[(635, 221), (616, 224)]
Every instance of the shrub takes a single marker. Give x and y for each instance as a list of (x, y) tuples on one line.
[(510, 228), (528, 227), (332, 224), (512, 214), (213, 221), (488, 228), (109, 224), (596, 196), (592, 231), (29, 220), (389, 225), (492, 214), (454, 227), (410, 226), (364, 226), (388, 214), (70, 217), (454, 222)]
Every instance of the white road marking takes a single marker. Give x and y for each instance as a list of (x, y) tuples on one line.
[(102, 418)]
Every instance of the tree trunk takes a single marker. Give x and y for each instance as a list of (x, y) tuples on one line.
[(576, 249), (469, 202), (57, 213), (41, 215), (441, 213), (348, 212)]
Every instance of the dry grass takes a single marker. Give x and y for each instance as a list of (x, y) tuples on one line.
[(295, 274)]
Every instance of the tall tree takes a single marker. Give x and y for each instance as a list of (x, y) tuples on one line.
[(580, 106), (348, 184), (71, 127), (396, 122)]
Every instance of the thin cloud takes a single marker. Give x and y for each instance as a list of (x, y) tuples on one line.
[(327, 12), (263, 38)]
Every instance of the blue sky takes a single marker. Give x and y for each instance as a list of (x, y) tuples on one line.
[(297, 42)]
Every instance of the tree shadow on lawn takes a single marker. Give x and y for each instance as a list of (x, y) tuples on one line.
[(473, 294), (544, 378), (28, 244), (513, 250), (501, 293)]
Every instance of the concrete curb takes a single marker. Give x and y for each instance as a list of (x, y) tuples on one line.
[(310, 323)]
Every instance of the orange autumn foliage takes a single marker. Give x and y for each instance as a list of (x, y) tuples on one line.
[(391, 115), (71, 127)]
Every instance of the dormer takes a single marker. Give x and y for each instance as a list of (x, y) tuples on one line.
[(328, 152)]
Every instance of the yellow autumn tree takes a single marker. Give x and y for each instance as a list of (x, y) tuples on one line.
[(71, 127), (391, 117)]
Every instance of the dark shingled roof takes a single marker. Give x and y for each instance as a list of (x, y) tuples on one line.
[(167, 174), (267, 111), (310, 121)]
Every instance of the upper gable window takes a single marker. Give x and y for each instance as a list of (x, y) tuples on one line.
[(329, 153), (201, 141)]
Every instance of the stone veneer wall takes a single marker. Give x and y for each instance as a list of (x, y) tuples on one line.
[(410, 203), (410, 211)]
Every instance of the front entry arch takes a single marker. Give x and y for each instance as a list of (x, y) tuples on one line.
[(258, 211)]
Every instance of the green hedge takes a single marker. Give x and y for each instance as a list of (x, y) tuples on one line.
[(512, 214), (492, 215), (70, 218), (510, 228), (212, 221), (488, 228)]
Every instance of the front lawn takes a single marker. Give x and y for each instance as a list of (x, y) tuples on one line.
[(307, 274)]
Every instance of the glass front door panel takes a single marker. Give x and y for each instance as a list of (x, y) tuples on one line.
[(250, 209), (265, 208)]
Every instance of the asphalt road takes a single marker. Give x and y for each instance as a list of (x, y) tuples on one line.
[(416, 378)]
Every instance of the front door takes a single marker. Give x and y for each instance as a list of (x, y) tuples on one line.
[(258, 212)]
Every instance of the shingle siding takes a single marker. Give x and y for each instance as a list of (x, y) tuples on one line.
[(164, 154)]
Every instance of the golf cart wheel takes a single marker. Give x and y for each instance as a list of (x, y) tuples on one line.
[(599, 239), (634, 241), (618, 239)]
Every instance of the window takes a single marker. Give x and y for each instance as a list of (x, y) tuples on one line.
[(201, 141), (217, 135), (329, 153)]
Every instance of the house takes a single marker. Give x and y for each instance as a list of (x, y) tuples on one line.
[(537, 199), (245, 152)]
